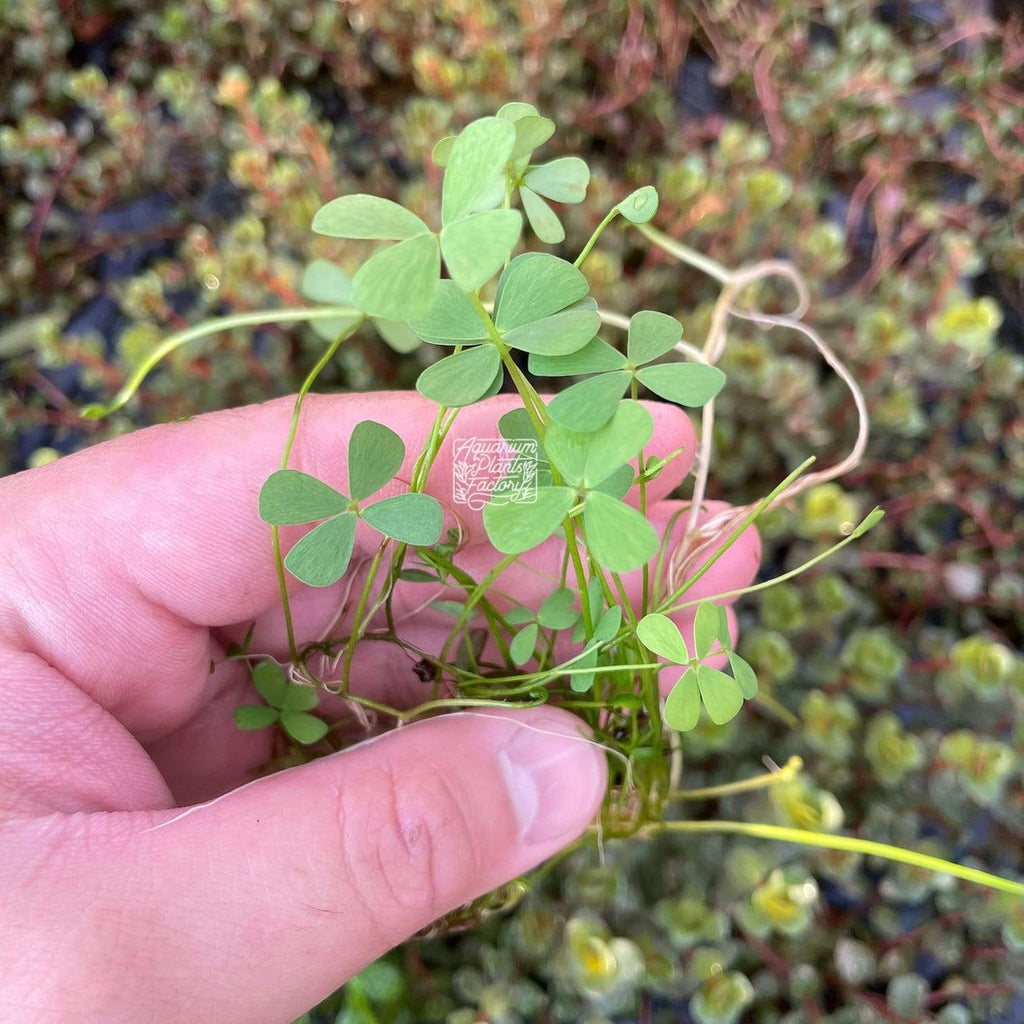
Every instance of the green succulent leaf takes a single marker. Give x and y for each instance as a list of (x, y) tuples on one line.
[(590, 404), (399, 336), (557, 611), (475, 247), (705, 628), (651, 335), (477, 160), (558, 334), (322, 556), (721, 694), (536, 285), (543, 220), (515, 527), (289, 497), (746, 677), (270, 681), (682, 705), (461, 379), (399, 282), (523, 644), (597, 356), (375, 454), (640, 206), (412, 518), (303, 727), (618, 536), (364, 216), (255, 716), (660, 635), (563, 180), (689, 384), (451, 319)]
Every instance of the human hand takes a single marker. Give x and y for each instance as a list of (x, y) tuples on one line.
[(143, 877)]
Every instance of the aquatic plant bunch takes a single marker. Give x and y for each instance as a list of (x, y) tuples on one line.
[(571, 501)]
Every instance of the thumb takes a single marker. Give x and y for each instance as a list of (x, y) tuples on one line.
[(255, 906)]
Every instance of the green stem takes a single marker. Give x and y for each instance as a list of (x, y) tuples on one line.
[(282, 586), (534, 679), (686, 254), (849, 844), (786, 774), (775, 580), (202, 330), (585, 252), (472, 599), (308, 383), (769, 703), (357, 624), (282, 579), (634, 390), (748, 520)]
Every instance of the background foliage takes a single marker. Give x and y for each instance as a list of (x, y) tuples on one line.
[(162, 162)]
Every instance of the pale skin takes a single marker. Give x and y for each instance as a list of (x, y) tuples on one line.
[(146, 877)]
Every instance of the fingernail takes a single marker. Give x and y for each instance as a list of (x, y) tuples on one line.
[(555, 780)]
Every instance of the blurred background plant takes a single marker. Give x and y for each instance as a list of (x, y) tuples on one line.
[(161, 162)]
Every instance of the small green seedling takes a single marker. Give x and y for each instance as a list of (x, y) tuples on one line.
[(288, 705), (482, 298)]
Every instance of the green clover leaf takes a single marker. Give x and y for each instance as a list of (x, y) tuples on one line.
[(640, 206), (288, 704), (325, 282), (375, 454), (541, 306), (595, 469), (399, 282), (523, 644), (722, 695), (463, 378), (514, 527), (588, 405), (475, 247), (364, 216), (475, 168), (563, 180), (321, 557)]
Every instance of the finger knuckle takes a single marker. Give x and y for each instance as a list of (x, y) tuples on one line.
[(410, 847)]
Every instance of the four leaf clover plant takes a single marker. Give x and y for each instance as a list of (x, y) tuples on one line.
[(496, 311)]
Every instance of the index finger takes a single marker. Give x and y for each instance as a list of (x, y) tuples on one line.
[(119, 559)]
